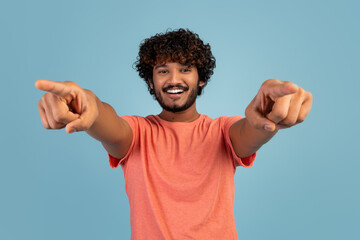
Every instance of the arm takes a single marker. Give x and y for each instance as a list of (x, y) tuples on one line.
[(67, 105), (278, 105), (246, 139)]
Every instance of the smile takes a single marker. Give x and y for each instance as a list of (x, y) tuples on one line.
[(175, 91)]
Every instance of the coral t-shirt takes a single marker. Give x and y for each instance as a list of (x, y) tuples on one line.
[(179, 178)]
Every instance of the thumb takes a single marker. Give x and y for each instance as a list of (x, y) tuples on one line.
[(257, 119)]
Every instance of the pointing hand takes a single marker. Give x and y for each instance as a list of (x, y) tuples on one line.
[(67, 105), (278, 104)]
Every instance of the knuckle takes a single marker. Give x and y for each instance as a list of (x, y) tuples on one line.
[(271, 80), (47, 95), (301, 91), (71, 84), (310, 96), (289, 121), (88, 92), (60, 117), (280, 115), (45, 123), (300, 119), (48, 98), (56, 125), (267, 82), (286, 82), (52, 124), (60, 114)]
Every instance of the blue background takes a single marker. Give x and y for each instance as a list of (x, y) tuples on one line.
[(304, 183)]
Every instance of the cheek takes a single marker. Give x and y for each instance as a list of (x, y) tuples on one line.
[(157, 87), (157, 83)]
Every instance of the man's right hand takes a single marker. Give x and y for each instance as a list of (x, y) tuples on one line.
[(67, 105)]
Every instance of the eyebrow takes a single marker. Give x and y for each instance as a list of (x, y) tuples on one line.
[(165, 65), (160, 66)]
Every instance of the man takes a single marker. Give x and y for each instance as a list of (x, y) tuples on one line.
[(179, 165)]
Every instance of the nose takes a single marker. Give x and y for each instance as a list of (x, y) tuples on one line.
[(174, 77)]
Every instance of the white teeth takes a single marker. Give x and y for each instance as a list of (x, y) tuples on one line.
[(175, 91)]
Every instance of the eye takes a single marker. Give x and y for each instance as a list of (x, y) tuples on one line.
[(162, 71), (185, 70)]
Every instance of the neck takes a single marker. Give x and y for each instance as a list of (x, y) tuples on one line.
[(187, 115)]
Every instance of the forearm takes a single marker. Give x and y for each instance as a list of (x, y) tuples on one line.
[(246, 139), (108, 127)]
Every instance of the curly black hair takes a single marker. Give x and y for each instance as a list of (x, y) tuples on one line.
[(181, 46)]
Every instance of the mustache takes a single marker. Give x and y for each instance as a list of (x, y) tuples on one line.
[(177, 86)]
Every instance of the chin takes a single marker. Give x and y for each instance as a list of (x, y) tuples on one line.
[(175, 109)]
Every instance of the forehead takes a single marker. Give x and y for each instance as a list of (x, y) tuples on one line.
[(170, 65)]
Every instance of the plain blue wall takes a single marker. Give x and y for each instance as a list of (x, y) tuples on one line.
[(304, 183)]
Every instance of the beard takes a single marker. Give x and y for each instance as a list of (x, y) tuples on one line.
[(176, 107)]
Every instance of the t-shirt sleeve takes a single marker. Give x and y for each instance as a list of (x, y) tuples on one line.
[(132, 121), (244, 162)]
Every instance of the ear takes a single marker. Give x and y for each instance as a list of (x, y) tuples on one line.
[(150, 83), (201, 83)]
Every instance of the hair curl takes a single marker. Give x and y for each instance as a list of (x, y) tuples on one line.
[(181, 46)]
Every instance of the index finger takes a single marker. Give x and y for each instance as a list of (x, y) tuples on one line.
[(57, 88), (277, 90)]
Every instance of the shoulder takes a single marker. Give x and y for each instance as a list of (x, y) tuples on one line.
[(225, 120), (134, 120), (138, 118)]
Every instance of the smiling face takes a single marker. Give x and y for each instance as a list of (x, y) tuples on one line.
[(175, 85)]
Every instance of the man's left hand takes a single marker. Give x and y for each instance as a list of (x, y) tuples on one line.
[(278, 104)]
